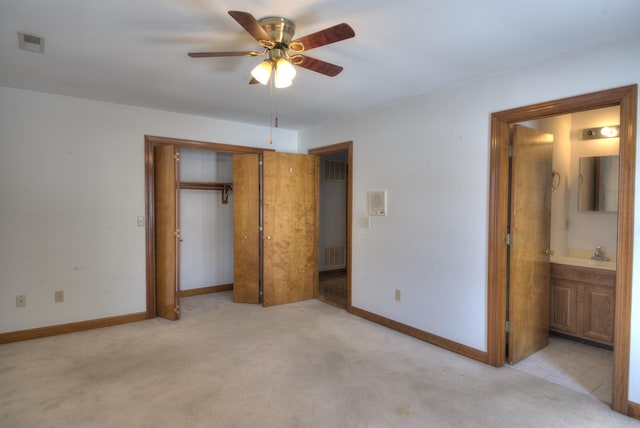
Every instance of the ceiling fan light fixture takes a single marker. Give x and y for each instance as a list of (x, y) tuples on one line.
[(262, 72), (280, 83), (285, 72)]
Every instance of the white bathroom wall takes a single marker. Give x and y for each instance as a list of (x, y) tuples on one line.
[(71, 188), (431, 154), (206, 224), (560, 127), (588, 229)]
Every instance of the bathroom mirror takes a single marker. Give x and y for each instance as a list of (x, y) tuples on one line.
[(598, 184)]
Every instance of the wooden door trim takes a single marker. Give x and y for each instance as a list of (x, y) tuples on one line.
[(338, 148), (150, 142), (626, 98)]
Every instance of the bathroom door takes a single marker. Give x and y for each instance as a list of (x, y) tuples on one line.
[(530, 221)]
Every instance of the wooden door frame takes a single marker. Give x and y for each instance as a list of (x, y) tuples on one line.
[(626, 98), (327, 150), (150, 142)]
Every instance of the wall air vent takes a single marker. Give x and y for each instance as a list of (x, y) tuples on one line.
[(30, 42)]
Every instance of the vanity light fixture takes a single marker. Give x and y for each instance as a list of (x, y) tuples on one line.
[(611, 131)]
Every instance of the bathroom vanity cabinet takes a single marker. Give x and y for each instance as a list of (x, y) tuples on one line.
[(582, 302)]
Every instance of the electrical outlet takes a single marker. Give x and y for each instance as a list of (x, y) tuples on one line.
[(140, 221), (21, 301), (58, 296), (397, 294)]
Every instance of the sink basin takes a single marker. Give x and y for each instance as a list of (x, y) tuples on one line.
[(585, 262)]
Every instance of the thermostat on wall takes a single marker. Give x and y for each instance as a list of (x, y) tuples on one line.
[(377, 202)]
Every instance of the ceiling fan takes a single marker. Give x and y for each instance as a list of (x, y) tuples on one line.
[(275, 35)]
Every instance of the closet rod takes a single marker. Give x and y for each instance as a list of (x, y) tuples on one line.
[(225, 188)]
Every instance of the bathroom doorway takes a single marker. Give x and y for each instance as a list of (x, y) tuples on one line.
[(626, 99), (573, 294)]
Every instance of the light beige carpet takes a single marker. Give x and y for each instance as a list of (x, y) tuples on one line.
[(306, 364)]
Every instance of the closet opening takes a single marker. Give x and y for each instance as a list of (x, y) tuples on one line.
[(189, 214)]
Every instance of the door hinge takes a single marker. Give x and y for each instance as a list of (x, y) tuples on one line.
[(512, 150), (177, 309), (260, 163), (507, 326), (177, 233), (176, 156), (508, 239)]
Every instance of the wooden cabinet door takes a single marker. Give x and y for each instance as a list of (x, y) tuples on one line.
[(290, 227), (597, 313), (246, 228), (167, 231), (563, 316), (529, 270)]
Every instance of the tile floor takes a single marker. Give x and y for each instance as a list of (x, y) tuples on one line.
[(583, 368)]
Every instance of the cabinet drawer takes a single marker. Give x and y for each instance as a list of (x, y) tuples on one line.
[(583, 275)]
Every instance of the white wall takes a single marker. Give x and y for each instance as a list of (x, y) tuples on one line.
[(431, 154), (333, 211), (560, 127), (71, 187), (576, 232), (206, 224), (588, 229)]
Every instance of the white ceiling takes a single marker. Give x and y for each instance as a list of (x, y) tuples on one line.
[(135, 51)]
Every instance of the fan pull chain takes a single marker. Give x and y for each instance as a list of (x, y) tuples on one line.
[(271, 112), (276, 121)]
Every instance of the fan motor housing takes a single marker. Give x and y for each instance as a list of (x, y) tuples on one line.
[(280, 29)]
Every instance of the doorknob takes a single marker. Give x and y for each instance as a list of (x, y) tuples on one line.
[(268, 237), (549, 252)]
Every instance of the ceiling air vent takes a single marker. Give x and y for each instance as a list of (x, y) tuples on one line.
[(30, 42)]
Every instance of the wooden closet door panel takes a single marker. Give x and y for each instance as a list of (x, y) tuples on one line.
[(246, 228), (290, 227), (167, 225)]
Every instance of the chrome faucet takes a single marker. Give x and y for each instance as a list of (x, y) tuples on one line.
[(599, 254)]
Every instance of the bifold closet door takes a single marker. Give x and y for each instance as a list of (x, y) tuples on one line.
[(289, 228), (246, 228), (290, 223), (167, 231)]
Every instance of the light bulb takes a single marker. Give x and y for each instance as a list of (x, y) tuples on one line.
[(285, 72), (609, 131), (283, 83), (262, 72)]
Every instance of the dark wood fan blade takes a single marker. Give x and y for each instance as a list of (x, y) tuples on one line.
[(253, 81), (250, 24), (319, 66), (328, 35), (221, 54)]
